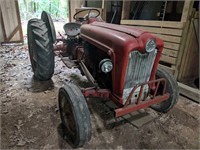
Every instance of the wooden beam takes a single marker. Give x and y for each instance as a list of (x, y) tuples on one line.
[(170, 52), (170, 45), (13, 42), (169, 24), (189, 92), (187, 10), (167, 59), (3, 26), (12, 34), (125, 9), (166, 31), (168, 38), (104, 9), (73, 4), (19, 21)]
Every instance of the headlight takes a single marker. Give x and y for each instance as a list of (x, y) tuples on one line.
[(150, 45), (106, 65)]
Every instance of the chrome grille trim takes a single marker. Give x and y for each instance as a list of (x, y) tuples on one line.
[(138, 70)]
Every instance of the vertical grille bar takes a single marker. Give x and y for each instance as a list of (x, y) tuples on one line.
[(138, 70)]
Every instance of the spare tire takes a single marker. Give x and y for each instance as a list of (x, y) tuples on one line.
[(40, 49)]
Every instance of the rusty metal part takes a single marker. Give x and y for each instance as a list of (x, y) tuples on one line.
[(87, 73), (94, 92), (68, 62), (128, 107), (142, 85), (60, 47)]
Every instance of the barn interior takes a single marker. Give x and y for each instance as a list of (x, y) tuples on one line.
[(30, 117)]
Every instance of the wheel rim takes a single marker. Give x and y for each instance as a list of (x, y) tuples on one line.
[(67, 116)]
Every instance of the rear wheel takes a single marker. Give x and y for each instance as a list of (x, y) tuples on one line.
[(40, 49), (75, 115), (171, 88)]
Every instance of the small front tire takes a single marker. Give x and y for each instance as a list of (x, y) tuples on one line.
[(171, 88), (75, 115)]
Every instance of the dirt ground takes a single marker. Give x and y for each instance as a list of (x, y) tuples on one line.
[(30, 117)]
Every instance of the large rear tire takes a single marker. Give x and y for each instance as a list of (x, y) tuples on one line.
[(171, 88), (75, 115), (40, 49)]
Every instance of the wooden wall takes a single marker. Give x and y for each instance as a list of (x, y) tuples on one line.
[(11, 30)]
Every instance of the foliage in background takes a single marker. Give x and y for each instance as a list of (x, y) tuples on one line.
[(33, 9)]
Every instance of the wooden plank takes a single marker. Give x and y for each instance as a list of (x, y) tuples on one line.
[(70, 10), (2, 26), (168, 38), (73, 4), (19, 21), (190, 92), (167, 31), (10, 19), (186, 10), (190, 67), (196, 15), (168, 59), (125, 9), (104, 9), (184, 38), (170, 70), (186, 51), (152, 23), (181, 50), (170, 52), (173, 46), (12, 34)]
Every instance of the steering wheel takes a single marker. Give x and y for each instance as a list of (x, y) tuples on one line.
[(81, 19)]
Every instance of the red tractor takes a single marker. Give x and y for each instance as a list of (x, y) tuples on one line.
[(121, 62)]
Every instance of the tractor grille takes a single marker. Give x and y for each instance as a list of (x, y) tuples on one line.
[(138, 70)]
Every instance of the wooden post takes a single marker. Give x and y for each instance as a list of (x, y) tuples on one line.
[(2, 25), (73, 4), (104, 9), (125, 10), (186, 13), (19, 21), (187, 10)]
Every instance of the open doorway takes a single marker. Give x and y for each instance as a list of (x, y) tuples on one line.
[(58, 9)]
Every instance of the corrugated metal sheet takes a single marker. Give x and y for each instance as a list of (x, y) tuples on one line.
[(11, 20)]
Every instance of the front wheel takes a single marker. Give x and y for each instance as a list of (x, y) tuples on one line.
[(171, 88), (74, 115)]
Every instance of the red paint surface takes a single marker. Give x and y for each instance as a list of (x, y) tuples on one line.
[(118, 42)]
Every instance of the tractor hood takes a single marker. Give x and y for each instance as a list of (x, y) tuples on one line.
[(130, 30), (118, 41), (114, 37)]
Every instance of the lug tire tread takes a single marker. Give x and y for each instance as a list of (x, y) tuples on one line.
[(42, 49)]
